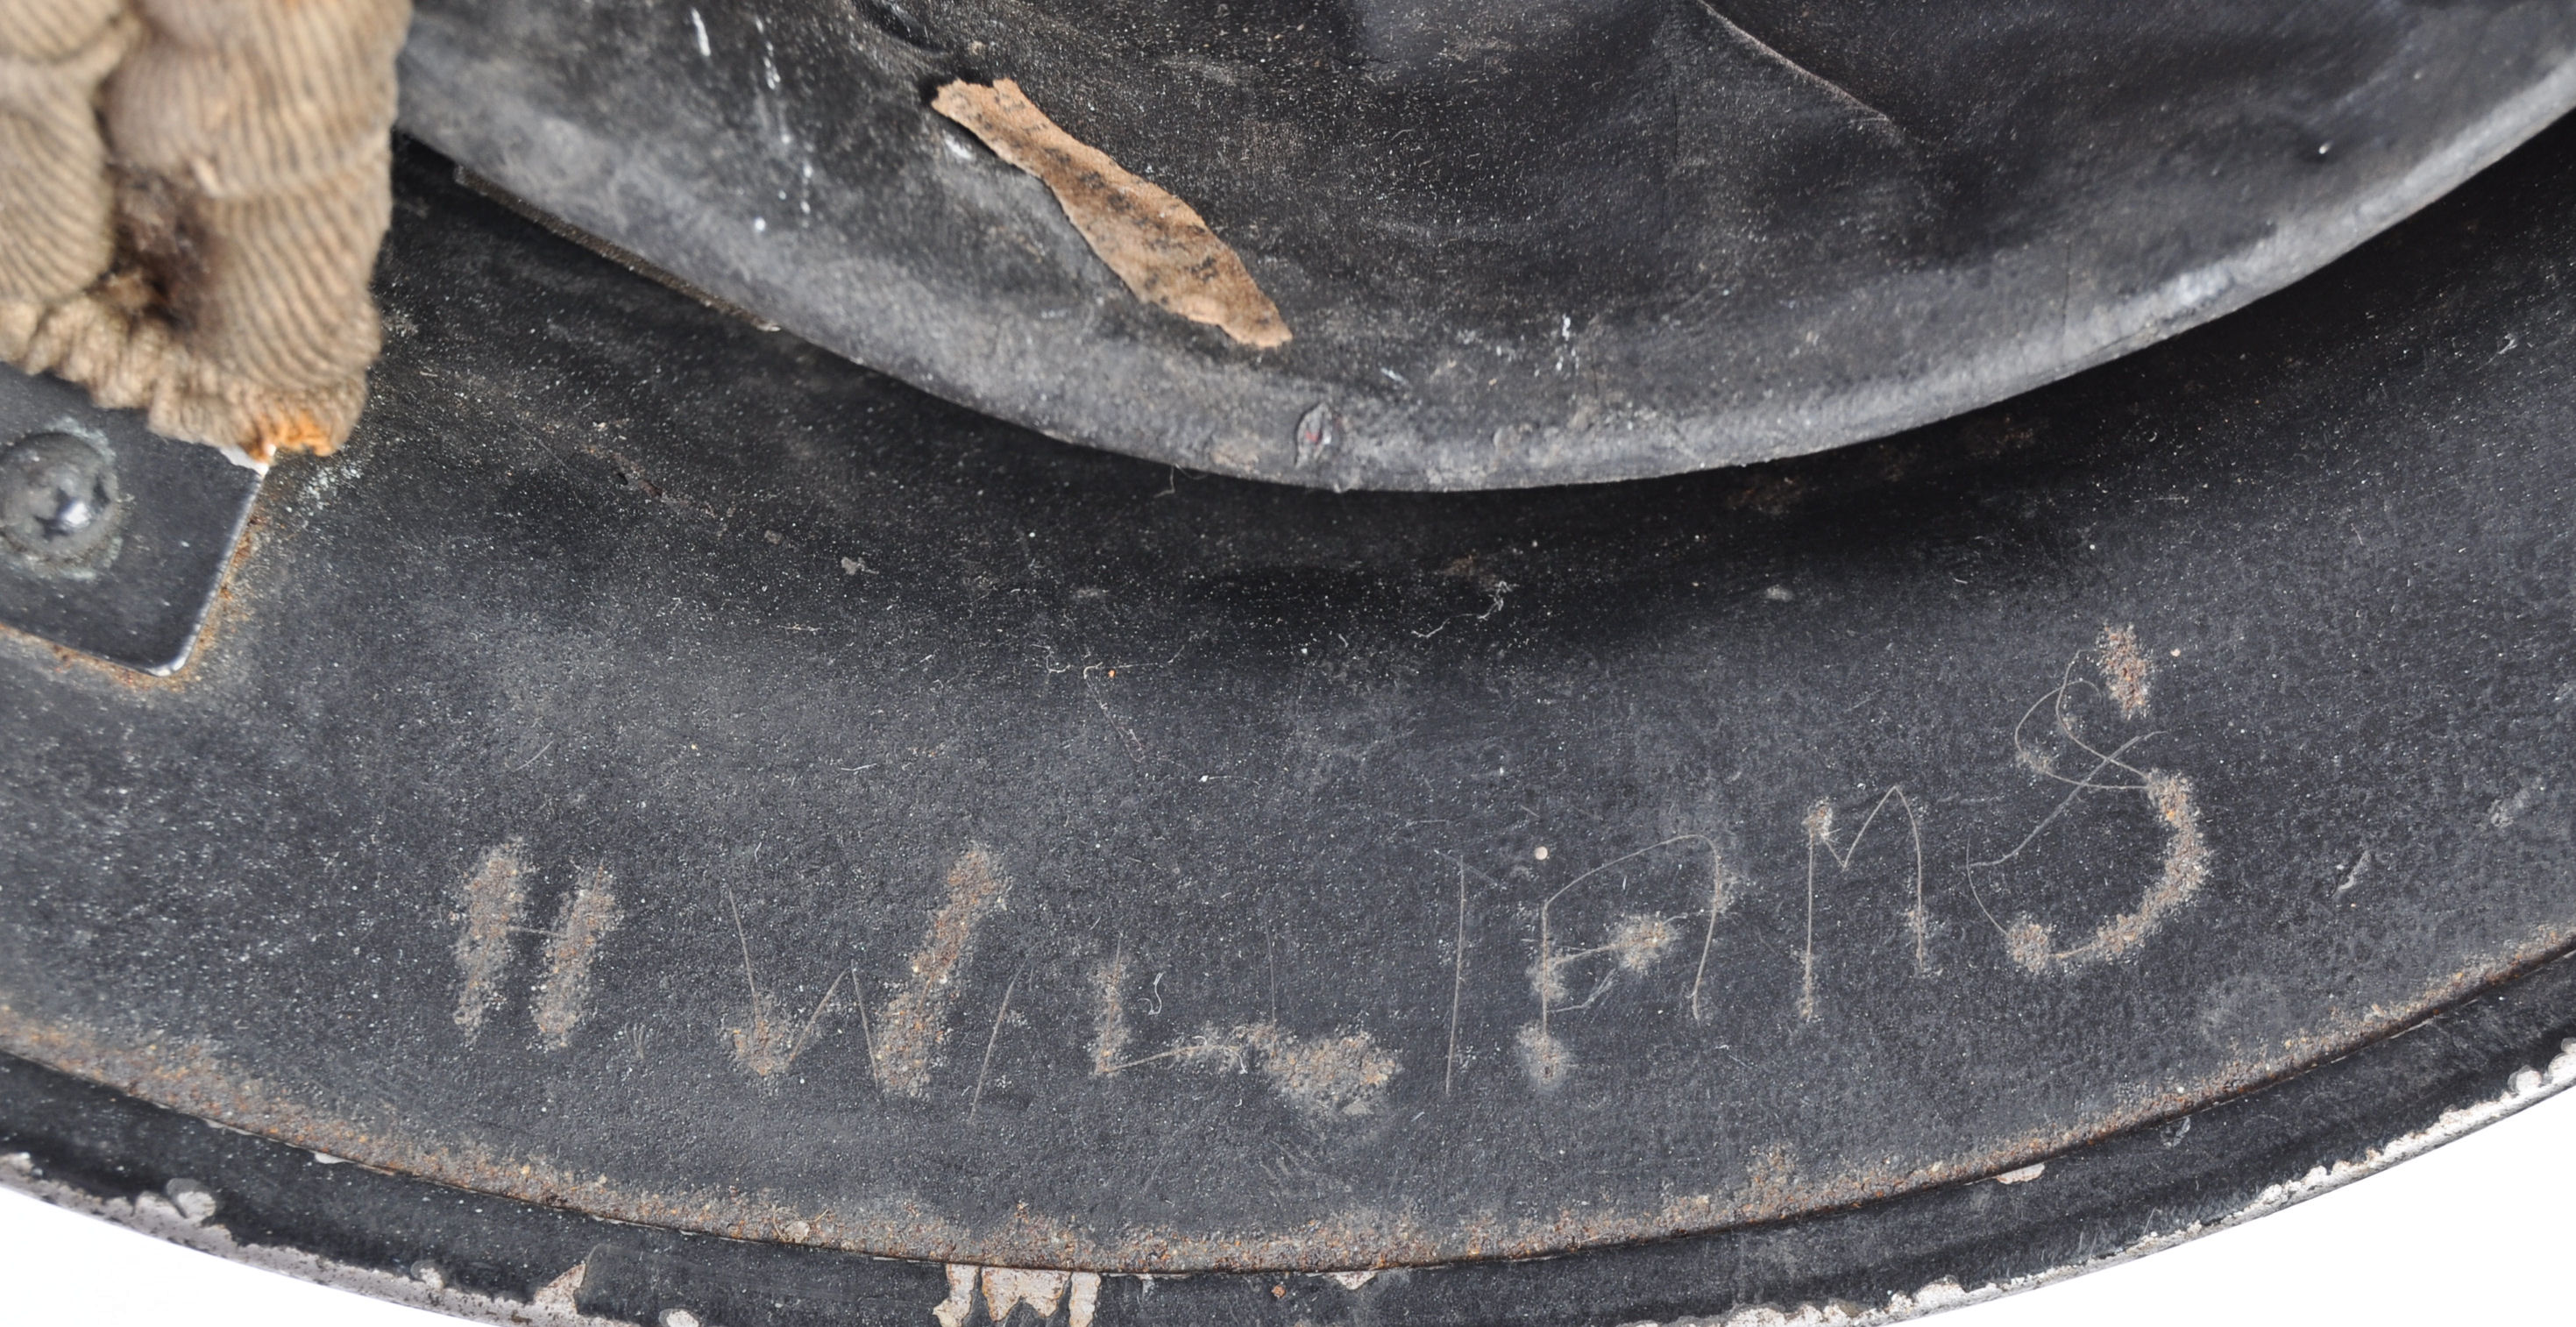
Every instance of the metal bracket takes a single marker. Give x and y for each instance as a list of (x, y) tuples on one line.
[(112, 538)]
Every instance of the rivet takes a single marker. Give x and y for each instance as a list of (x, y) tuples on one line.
[(59, 501)]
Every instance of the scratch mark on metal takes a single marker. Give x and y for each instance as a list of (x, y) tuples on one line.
[(1826, 85), (1457, 983), (2184, 864), (765, 1045), (1820, 833), (1343, 1074), (1708, 935), (488, 906), (999, 1013), (190, 1077), (916, 1019), (589, 913), (1635, 943), (1110, 1034)]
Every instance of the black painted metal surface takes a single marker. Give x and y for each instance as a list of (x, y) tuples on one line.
[(664, 772), (1533, 242), (112, 540)]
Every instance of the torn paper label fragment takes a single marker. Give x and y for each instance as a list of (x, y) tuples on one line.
[(1154, 242)]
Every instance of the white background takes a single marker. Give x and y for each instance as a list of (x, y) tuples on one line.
[(2481, 1230)]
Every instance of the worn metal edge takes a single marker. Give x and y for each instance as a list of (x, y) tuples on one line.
[(553, 1305), (153, 1214), (2510, 1029), (235, 548), (2525, 1087)]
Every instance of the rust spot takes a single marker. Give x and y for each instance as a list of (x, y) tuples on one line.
[(1767, 492), (1155, 242), (288, 431), (1773, 1177), (588, 915), (488, 905), (915, 1022)]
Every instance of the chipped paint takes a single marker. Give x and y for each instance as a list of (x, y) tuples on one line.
[(558, 1294), (1545, 1060), (1007, 1288), (763, 1045), (960, 1304), (908, 1035), (193, 1200), (150, 1213), (768, 1042), (1634, 944), (2526, 1088)]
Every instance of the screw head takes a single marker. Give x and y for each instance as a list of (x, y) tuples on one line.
[(58, 498)]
